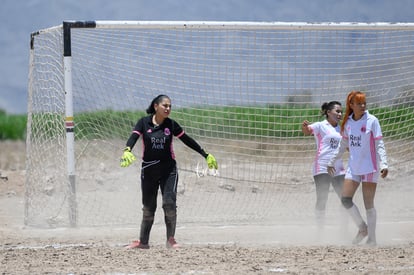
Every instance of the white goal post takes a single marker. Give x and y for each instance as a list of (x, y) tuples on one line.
[(241, 89)]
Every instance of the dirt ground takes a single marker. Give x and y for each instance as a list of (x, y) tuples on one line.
[(205, 249)]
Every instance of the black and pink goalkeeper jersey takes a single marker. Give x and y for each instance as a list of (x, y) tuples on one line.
[(157, 141)]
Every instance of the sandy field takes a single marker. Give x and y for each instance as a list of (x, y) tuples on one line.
[(250, 248)]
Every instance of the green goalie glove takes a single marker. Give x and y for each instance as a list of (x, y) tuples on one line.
[(211, 162), (127, 157)]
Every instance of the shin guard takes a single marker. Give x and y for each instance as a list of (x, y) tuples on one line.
[(146, 225), (170, 217), (356, 217)]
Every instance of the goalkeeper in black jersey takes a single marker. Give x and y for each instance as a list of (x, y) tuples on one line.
[(159, 169)]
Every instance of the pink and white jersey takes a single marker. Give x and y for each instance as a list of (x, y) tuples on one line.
[(327, 140), (361, 136)]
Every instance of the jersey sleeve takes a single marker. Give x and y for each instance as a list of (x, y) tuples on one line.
[(136, 133), (381, 154), (315, 128), (379, 143), (177, 130), (186, 139), (376, 129)]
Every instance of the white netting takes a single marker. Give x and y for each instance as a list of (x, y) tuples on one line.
[(241, 91)]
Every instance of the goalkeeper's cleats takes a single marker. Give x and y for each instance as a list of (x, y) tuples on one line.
[(137, 244), (171, 243), (127, 157), (211, 162)]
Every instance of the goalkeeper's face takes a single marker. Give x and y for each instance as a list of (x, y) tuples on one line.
[(163, 108)]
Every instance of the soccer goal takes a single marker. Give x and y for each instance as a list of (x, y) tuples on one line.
[(241, 89)]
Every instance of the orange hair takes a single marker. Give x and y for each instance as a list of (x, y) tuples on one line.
[(353, 96)]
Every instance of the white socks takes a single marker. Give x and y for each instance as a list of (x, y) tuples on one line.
[(372, 224), (356, 217)]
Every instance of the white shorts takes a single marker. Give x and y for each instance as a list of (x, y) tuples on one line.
[(371, 177)]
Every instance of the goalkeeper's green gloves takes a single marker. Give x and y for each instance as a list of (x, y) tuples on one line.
[(211, 162), (127, 157)]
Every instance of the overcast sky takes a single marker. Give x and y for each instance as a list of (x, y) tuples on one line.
[(20, 18)]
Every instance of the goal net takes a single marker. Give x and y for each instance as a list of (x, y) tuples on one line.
[(241, 89)]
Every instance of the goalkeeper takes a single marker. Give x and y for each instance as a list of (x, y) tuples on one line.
[(159, 169)]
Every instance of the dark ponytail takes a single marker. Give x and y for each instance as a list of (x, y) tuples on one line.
[(328, 106), (156, 100)]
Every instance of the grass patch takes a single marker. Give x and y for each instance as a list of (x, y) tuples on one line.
[(12, 127), (233, 122)]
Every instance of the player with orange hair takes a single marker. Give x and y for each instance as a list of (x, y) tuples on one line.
[(362, 135)]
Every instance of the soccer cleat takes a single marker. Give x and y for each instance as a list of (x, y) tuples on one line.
[(171, 243), (362, 233), (137, 244)]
